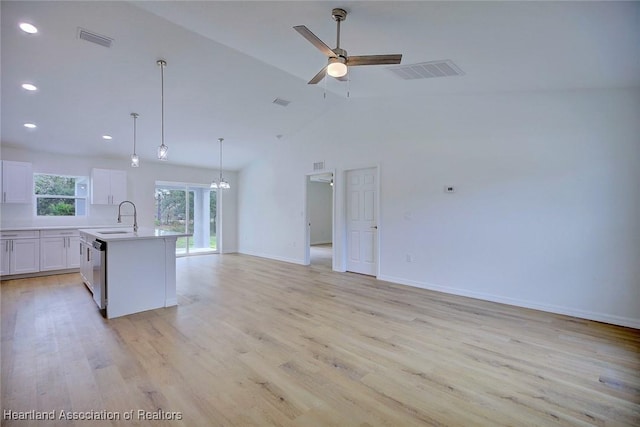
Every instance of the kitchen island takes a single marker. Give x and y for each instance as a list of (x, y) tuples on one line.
[(131, 271)]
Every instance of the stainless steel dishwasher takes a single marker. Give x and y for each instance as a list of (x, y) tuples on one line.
[(99, 282)]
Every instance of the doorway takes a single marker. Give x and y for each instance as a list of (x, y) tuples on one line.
[(188, 208), (361, 221), (320, 216)]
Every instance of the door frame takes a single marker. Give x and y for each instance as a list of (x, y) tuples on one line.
[(344, 213), (307, 227)]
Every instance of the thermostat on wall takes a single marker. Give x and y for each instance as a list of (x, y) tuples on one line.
[(449, 189)]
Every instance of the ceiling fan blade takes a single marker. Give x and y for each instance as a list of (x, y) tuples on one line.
[(314, 40), (318, 76), (374, 60)]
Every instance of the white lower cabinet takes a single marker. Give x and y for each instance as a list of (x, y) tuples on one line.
[(59, 249), (20, 252)]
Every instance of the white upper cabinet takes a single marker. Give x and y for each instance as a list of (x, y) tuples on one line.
[(108, 186), (17, 182)]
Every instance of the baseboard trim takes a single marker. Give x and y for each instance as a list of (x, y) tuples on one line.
[(550, 308), (171, 302)]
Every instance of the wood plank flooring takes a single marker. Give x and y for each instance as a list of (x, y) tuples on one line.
[(256, 342)]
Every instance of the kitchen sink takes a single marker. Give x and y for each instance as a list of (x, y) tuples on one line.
[(113, 232)]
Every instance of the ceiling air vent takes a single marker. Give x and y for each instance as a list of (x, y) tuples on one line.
[(427, 70), (318, 166), (281, 102), (89, 36)]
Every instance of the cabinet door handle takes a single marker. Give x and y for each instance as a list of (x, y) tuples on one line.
[(10, 235), (4, 196)]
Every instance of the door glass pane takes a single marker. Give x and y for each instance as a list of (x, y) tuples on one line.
[(190, 209), (213, 242), (190, 225), (170, 213)]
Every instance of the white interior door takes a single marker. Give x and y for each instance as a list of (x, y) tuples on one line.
[(362, 226)]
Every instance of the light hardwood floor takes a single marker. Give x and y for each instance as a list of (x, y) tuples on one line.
[(260, 342)]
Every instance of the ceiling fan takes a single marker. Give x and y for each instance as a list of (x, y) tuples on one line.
[(338, 58)]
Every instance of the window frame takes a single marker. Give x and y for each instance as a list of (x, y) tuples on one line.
[(85, 198)]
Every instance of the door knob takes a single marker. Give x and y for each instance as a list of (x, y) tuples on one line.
[(374, 226)]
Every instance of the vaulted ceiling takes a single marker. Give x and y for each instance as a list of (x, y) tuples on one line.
[(228, 61)]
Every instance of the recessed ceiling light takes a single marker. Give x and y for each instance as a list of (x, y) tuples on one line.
[(28, 28), (107, 137), (30, 125), (29, 86)]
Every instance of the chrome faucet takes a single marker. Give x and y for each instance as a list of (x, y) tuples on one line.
[(135, 215)]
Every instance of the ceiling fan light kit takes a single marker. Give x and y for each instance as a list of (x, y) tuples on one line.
[(339, 62), (337, 67)]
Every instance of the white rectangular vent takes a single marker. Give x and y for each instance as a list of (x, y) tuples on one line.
[(94, 38), (318, 166), (281, 102), (426, 70)]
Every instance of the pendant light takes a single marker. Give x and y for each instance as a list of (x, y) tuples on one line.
[(222, 184), (162, 149), (135, 161)]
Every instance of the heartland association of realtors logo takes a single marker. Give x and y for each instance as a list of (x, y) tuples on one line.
[(133, 415)]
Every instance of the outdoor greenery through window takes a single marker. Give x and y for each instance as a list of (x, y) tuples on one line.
[(60, 195), (188, 208)]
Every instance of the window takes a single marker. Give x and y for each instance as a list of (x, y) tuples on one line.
[(60, 195)]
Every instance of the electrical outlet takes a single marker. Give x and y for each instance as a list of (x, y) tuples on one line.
[(409, 258), (449, 189)]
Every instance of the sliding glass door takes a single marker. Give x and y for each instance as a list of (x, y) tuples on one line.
[(188, 208)]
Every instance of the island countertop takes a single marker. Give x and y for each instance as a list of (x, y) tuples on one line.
[(119, 234)]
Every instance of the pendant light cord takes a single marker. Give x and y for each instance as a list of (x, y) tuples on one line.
[(162, 64), (220, 139), (135, 117)]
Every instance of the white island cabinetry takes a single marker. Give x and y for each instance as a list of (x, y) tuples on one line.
[(139, 269)]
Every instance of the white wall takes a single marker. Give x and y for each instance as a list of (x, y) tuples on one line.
[(546, 209), (320, 210), (140, 188)]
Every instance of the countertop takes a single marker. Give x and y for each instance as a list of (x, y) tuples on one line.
[(119, 234), (61, 227)]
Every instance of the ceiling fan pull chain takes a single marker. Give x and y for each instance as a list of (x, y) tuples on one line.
[(324, 89)]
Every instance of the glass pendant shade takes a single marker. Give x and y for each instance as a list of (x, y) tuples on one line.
[(162, 152), (135, 161)]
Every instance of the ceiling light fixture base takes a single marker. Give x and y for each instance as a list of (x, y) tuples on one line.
[(339, 14)]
